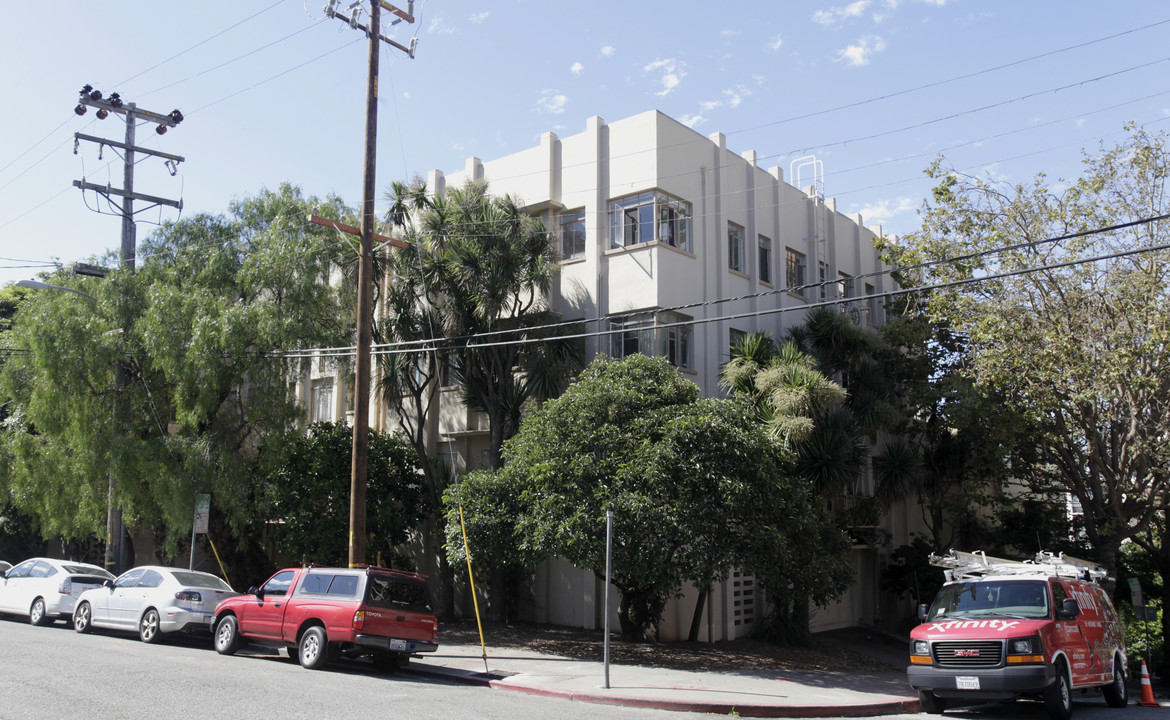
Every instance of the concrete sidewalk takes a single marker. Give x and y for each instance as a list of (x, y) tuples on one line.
[(747, 692)]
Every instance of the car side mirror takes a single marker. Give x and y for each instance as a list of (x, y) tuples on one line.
[(922, 609), (1069, 609), (108, 583)]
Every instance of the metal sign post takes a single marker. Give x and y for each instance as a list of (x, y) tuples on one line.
[(608, 575), (202, 512)]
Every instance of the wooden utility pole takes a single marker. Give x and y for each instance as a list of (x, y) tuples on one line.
[(361, 392), (116, 561)]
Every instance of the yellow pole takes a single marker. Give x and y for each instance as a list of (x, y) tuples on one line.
[(225, 577), (474, 597)]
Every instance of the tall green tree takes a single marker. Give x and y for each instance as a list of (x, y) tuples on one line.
[(212, 295), (307, 480), (1066, 317), (696, 486)]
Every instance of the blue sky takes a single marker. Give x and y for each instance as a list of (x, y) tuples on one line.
[(274, 91)]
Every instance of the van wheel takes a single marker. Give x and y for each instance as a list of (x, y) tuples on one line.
[(931, 704), (1058, 696), (1116, 693)]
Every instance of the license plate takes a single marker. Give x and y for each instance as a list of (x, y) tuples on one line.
[(967, 683), (397, 644)]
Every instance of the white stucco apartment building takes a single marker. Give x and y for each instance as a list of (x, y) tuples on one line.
[(675, 245)]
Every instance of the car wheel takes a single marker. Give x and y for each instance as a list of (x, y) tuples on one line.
[(1058, 696), (36, 614), (83, 618), (312, 650), (931, 704), (1116, 693), (148, 629), (227, 636)]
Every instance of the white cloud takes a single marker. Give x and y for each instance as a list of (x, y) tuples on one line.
[(730, 33), (731, 98), (883, 211), (439, 26), (552, 102), (1081, 122), (758, 79), (837, 15), (862, 51), (608, 50), (406, 95), (577, 68), (673, 71), (478, 18), (692, 120), (775, 43)]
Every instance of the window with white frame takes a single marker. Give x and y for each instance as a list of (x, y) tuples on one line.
[(650, 217), (844, 285), (321, 400), (765, 259), (573, 234), (795, 269), (735, 249), (667, 334)]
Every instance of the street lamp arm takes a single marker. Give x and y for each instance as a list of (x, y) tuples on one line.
[(36, 285)]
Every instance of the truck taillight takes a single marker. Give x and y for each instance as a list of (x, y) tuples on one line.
[(359, 619), (435, 629)]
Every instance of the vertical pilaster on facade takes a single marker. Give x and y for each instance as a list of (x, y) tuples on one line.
[(750, 156), (474, 168), (777, 172), (550, 146), (719, 139), (436, 183)]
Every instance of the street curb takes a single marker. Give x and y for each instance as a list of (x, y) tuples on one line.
[(892, 707)]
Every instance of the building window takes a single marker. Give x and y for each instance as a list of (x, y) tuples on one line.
[(821, 279), (871, 303), (667, 334), (735, 249), (795, 264), (734, 337), (650, 217), (321, 400), (844, 285), (765, 260), (573, 234)]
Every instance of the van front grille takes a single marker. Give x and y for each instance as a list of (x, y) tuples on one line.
[(969, 654)]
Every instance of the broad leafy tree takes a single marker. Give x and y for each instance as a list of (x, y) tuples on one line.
[(1061, 296), (696, 486), (211, 296), (307, 479)]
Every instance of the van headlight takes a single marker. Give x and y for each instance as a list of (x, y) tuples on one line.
[(1025, 650), (921, 647)]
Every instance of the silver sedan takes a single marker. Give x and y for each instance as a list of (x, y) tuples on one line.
[(152, 600)]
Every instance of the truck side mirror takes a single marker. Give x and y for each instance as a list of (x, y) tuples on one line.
[(1069, 609), (255, 591), (922, 612)]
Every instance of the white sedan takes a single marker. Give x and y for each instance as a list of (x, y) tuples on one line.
[(152, 600), (45, 589)]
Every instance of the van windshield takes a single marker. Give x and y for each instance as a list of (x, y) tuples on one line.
[(1026, 599)]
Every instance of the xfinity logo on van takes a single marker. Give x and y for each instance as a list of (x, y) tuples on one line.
[(1000, 625), (1084, 599)]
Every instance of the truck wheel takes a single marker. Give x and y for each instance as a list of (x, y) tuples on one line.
[(1058, 696), (931, 704), (227, 636), (1116, 693), (313, 648)]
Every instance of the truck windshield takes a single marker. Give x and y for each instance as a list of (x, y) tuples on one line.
[(991, 598)]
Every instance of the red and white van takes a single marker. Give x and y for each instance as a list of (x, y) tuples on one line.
[(999, 629)]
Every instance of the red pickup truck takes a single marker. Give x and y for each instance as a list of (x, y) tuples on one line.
[(322, 612)]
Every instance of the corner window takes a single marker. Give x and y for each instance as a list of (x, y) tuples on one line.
[(650, 217), (734, 338), (765, 259), (735, 251), (573, 234), (667, 334), (795, 267)]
